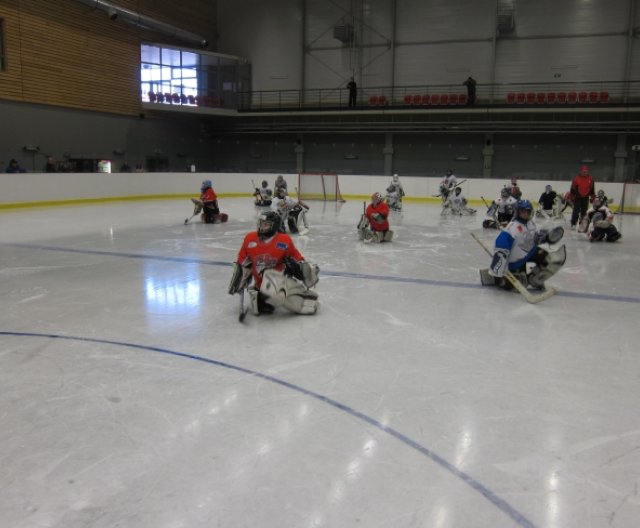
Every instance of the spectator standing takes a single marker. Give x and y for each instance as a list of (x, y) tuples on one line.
[(582, 189), (50, 165), (353, 92), (125, 167), (14, 167), (470, 83)]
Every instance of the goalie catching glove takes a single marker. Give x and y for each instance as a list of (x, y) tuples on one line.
[(549, 236), (303, 271)]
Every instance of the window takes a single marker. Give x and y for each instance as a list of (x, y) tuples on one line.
[(168, 71)]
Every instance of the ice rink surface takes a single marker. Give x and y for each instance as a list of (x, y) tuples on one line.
[(132, 397)]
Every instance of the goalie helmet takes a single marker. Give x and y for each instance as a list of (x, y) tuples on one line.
[(395, 178), (376, 198), (458, 191), (597, 202), (265, 184), (505, 192), (524, 205), (206, 184), (268, 224), (281, 192)]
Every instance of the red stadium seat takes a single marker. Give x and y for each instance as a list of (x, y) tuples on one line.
[(453, 99), (167, 97), (382, 100), (191, 99), (373, 100), (594, 97), (583, 97), (444, 99), (417, 100), (160, 97), (572, 97), (408, 99), (520, 98), (511, 98), (531, 98), (153, 97), (175, 98), (183, 99), (604, 97), (463, 99), (562, 97), (426, 99), (551, 97), (541, 98), (435, 99)]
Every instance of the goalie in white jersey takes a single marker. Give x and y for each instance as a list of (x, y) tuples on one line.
[(517, 250), (457, 204)]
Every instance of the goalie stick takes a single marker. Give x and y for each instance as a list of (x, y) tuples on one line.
[(529, 296), (243, 310), (196, 211)]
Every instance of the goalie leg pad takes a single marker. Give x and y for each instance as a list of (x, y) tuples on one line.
[(548, 265), (281, 290), (613, 234), (388, 236)]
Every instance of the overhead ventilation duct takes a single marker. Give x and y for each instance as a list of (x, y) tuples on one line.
[(115, 12)]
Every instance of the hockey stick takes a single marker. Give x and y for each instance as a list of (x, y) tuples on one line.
[(530, 297), (196, 211), (453, 189)]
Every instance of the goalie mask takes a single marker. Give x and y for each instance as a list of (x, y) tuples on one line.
[(505, 193), (458, 191), (376, 198), (268, 224), (524, 206), (597, 202), (206, 184)]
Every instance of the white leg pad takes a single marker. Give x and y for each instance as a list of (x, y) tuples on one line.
[(281, 290)]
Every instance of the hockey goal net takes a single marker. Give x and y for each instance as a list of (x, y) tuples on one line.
[(630, 203), (319, 186)]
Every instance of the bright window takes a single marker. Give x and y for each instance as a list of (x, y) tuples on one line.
[(168, 71)]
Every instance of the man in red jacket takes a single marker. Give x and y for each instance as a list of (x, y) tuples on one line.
[(583, 190)]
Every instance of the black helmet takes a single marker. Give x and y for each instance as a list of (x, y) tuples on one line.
[(268, 224), (265, 183)]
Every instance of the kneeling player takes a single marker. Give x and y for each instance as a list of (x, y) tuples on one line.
[(281, 275), (208, 204), (601, 218), (517, 250), (374, 226)]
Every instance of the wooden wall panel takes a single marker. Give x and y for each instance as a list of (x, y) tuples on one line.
[(68, 54)]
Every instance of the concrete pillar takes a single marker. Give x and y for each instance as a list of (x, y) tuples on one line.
[(487, 155), (620, 156), (388, 154), (299, 150)]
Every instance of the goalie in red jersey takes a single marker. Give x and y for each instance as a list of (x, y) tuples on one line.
[(281, 275), (374, 226)]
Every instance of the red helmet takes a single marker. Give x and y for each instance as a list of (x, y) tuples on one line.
[(376, 198)]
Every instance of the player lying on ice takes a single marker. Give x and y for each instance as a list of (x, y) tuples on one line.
[(517, 250), (373, 225), (280, 274), (601, 218)]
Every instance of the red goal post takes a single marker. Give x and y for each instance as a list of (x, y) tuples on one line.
[(630, 203), (319, 186)]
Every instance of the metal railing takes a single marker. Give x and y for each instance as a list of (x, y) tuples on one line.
[(608, 92)]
